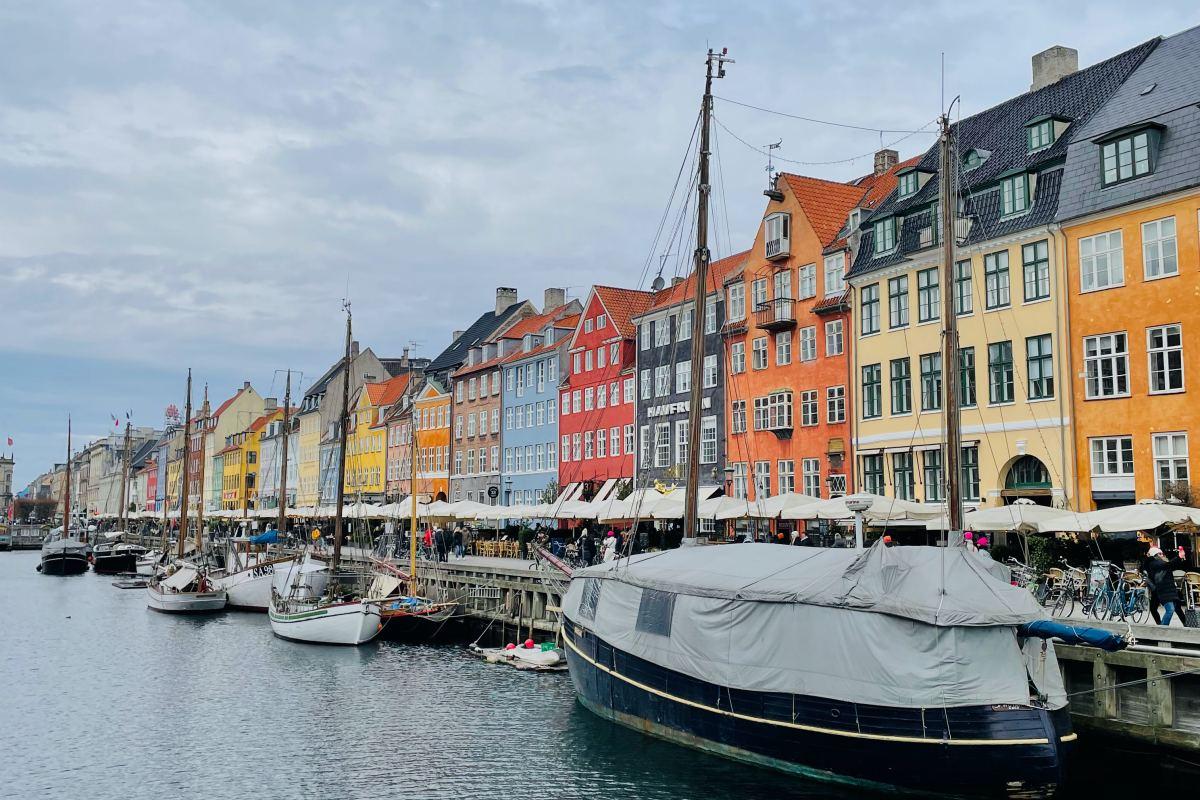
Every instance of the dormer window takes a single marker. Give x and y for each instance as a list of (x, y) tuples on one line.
[(1039, 135), (777, 235), (1041, 132), (1014, 194), (587, 325), (1126, 154), (907, 183), (855, 219), (885, 235), (974, 158)]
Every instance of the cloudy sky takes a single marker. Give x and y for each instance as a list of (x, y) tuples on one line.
[(201, 183)]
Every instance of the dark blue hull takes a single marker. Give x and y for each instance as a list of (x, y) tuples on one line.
[(1009, 751), (63, 564)]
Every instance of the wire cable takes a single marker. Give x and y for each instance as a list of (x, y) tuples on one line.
[(814, 120)]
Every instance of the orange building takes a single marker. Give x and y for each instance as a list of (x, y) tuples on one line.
[(431, 424), (788, 338), (1129, 213)]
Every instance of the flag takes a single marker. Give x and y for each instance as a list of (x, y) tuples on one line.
[(10, 441), (116, 422)]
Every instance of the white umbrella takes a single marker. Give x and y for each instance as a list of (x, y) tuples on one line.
[(574, 509), (1023, 515), (438, 508), (468, 509), (1143, 515), (878, 508)]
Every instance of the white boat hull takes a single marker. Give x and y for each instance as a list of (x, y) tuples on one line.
[(184, 602), (342, 623), (250, 589)]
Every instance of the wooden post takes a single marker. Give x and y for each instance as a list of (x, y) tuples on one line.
[(1160, 697), (1104, 677)]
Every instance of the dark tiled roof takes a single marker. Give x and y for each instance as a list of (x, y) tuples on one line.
[(1000, 130), (453, 356), (1173, 69)]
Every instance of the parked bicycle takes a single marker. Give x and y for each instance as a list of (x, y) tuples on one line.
[(1124, 596)]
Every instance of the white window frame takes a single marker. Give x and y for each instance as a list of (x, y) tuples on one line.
[(783, 348), (835, 274), (1154, 250), (835, 342), (1106, 354), (1170, 465), (1162, 353), (1100, 448), (806, 282), (1113, 257), (808, 343)]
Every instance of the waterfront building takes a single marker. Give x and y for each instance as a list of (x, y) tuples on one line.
[(366, 440), (316, 467), (788, 340), (666, 332), (597, 440), (529, 442), (233, 414), (270, 457), (431, 427), (6, 486), (399, 437), (1007, 292), (1129, 211)]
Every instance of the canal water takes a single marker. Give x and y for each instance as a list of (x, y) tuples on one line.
[(103, 699)]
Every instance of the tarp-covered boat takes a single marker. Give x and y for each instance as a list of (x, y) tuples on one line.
[(895, 667)]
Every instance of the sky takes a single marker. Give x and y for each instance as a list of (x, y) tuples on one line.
[(200, 184)]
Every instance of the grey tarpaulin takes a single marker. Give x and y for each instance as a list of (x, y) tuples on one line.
[(869, 626)]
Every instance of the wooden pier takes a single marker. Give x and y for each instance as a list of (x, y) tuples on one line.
[(1135, 700)]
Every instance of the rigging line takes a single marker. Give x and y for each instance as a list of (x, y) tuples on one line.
[(1137, 682), (814, 120), (849, 160), (724, 194), (670, 200)]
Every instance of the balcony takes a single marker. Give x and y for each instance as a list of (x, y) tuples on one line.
[(837, 485), (776, 315), (777, 248)]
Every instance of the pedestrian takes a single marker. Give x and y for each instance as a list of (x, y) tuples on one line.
[(439, 541), (427, 539), (969, 541), (458, 541), (982, 543), (587, 548), (1160, 576), (610, 547), (804, 540)]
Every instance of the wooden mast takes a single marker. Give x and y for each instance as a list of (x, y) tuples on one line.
[(951, 373), (700, 275), (283, 462), (200, 483), (343, 423), (183, 490), (121, 512), (67, 488), (412, 494)]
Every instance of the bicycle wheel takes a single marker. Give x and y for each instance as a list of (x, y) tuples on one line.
[(1100, 605), (1064, 606), (1140, 607)]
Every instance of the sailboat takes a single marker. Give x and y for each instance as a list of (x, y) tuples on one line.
[(62, 553), (183, 587), (340, 613), (250, 565), (905, 668), (114, 556)]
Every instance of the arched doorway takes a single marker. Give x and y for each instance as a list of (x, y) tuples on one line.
[(1028, 477)]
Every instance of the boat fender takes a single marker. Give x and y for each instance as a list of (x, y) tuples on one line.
[(529, 644), (510, 646)]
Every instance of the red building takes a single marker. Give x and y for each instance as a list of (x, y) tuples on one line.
[(597, 393)]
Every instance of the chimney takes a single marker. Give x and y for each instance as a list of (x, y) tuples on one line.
[(404, 358), (456, 335), (245, 385), (354, 349), (1053, 64), (885, 160), (554, 298), (505, 298), (270, 404), (678, 279)]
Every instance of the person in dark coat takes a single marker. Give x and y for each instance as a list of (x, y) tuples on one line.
[(804, 540), (439, 542), (1163, 591), (458, 542)]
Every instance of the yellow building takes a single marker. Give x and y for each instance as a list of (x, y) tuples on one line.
[(1009, 290), (308, 458), (366, 440)]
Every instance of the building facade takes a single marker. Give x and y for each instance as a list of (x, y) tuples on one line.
[(1008, 296), (667, 333), (530, 416), (1130, 213), (431, 428), (597, 440)]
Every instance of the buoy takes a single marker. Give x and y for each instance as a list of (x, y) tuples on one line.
[(529, 644), (510, 646)]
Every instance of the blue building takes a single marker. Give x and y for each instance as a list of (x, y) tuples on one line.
[(529, 438)]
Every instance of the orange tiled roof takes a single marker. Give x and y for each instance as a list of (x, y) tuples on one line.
[(880, 186), (826, 204), (623, 305), (384, 393), (260, 422), (718, 271), (532, 324), (470, 368)]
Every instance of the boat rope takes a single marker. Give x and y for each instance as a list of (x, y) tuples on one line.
[(1115, 686)]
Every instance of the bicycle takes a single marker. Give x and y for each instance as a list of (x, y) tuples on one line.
[(1067, 592), (1126, 599)]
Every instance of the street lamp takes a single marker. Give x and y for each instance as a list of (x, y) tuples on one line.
[(858, 505)]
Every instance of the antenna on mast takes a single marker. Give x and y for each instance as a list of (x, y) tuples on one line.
[(771, 148)]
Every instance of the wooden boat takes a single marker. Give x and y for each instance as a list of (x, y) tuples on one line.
[(185, 590), (113, 558), (64, 556), (340, 614)]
